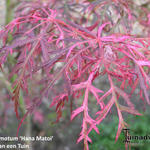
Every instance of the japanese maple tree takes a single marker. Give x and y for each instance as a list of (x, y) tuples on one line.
[(74, 43)]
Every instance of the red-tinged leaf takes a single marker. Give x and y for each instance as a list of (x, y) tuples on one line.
[(129, 110), (80, 139), (67, 82), (15, 98), (18, 43), (93, 26), (22, 120), (79, 86), (145, 76), (121, 124), (49, 63), (134, 86), (59, 106), (93, 126), (105, 95), (57, 99), (44, 49), (120, 127), (24, 85), (59, 115), (142, 84), (125, 96), (90, 120), (102, 114), (76, 112), (101, 28), (94, 89), (135, 49), (16, 69), (84, 30), (88, 139), (1, 68), (143, 63), (115, 38), (75, 45)]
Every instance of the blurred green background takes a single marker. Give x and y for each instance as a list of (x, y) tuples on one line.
[(139, 126)]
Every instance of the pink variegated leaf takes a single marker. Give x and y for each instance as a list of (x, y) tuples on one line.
[(125, 96), (75, 45), (89, 119), (120, 127), (21, 122), (76, 112), (79, 86), (93, 126), (57, 99), (102, 114), (80, 138), (129, 110), (92, 27), (92, 123), (135, 49), (105, 95), (44, 49), (134, 86), (142, 84), (18, 43), (94, 89), (143, 63), (101, 28), (88, 139), (115, 38)]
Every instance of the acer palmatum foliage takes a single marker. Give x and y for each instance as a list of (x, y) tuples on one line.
[(87, 40)]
